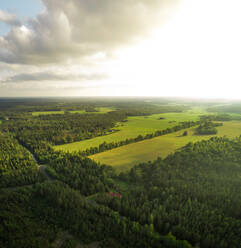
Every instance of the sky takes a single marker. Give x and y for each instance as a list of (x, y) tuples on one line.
[(185, 48), (24, 9)]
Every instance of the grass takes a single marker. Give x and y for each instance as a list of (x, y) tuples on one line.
[(48, 113), (100, 111), (125, 157), (136, 125)]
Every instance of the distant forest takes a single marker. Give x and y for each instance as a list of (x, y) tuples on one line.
[(229, 108)]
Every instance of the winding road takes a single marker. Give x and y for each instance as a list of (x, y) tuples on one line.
[(42, 167)]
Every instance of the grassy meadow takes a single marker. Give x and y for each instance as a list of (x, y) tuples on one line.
[(100, 110), (125, 157), (133, 127)]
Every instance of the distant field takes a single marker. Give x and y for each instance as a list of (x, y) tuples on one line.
[(125, 157), (100, 111), (136, 125), (48, 113)]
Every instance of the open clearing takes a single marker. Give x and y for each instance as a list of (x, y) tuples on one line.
[(100, 111), (135, 126), (125, 157)]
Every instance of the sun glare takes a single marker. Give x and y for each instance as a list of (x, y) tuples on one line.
[(196, 53)]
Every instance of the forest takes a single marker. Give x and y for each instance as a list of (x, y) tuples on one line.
[(61, 129), (208, 127), (16, 164), (191, 198)]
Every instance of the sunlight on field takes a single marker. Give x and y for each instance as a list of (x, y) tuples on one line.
[(100, 111), (136, 125), (48, 113), (125, 157)]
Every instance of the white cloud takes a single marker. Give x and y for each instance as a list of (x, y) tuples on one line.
[(51, 76), (70, 44), (79, 28), (9, 18)]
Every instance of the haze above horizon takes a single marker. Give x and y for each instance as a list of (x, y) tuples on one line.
[(180, 48)]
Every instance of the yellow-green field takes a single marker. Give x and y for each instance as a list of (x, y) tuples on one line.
[(125, 157), (100, 111), (136, 125), (48, 113)]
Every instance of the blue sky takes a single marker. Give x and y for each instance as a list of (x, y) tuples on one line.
[(22, 8)]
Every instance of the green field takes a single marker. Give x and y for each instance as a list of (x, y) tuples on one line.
[(136, 125), (100, 111), (125, 157)]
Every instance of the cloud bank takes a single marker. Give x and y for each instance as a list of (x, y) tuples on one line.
[(50, 76), (9, 18), (78, 29), (71, 43)]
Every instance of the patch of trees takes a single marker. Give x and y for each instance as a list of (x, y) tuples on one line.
[(34, 216), (144, 109), (19, 225), (20, 177), (218, 117), (194, 193), (16, 164), (207, 128), (12, 155), (223, 117), (62, 129), (81, 173)]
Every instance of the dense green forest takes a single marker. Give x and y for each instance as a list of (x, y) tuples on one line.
[(33, 217), (61, 129), (16, 164), (192, 198), (194, 193)]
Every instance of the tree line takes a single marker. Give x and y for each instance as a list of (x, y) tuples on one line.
[(109, 146)]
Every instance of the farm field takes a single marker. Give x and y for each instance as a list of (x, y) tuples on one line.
[(135, 126), (125, 157), (100, 111)]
